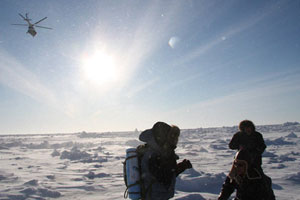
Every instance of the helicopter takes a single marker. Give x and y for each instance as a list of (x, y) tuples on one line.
[(31, 26)]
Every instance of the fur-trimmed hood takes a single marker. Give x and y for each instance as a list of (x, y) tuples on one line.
[(243, 157)]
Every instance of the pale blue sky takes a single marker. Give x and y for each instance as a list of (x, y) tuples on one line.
[(121, 65)]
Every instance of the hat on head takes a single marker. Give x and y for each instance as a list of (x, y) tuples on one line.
[(159, 131)]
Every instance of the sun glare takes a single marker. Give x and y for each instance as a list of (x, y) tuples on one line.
[(99, 68)]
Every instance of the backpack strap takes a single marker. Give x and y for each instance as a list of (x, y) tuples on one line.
[(147, 190), (126, 191)]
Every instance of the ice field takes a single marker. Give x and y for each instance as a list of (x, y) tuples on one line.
[(89, 165)]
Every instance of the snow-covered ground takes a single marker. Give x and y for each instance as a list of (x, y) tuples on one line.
[(89, 165)]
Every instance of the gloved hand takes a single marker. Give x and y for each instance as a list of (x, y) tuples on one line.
[(185, 164)]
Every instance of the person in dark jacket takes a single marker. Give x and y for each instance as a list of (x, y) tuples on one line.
[(249, 183), (248, 138), (159, 164)]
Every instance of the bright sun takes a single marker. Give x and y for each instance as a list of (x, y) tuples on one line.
[(99, 68)]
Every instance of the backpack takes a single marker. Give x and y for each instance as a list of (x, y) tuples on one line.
[(132, 173)]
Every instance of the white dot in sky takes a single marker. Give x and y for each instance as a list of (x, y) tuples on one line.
[(224, 38), (173, 42)]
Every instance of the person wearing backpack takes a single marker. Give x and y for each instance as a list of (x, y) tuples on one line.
[(159, 167), (249, 182), (248, 138)]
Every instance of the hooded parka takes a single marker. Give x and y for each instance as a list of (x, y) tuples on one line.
[(253, 185)]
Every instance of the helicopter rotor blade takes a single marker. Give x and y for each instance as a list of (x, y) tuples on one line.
[(43, 27), (20, 24), (22, 16), (40, 20)]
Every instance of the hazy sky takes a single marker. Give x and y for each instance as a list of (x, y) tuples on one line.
[(120, 65)]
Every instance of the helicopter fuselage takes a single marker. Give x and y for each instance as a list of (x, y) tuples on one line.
[(31, 30)]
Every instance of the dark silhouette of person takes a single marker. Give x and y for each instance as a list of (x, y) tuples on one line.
[(249, 182), (159, 163), (251, 140)]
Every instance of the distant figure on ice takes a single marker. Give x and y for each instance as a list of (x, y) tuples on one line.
[(249, 183), (159, 164), (248, 138)]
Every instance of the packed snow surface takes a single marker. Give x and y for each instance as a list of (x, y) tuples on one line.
[(89, 165)]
